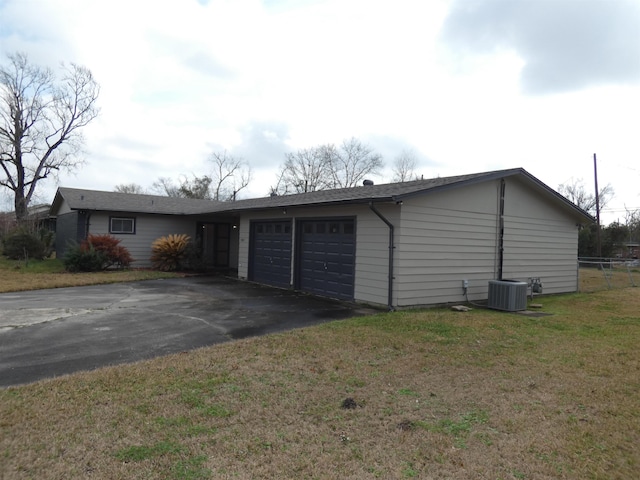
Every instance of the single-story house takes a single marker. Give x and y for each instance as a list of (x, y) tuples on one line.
[(401, 244)]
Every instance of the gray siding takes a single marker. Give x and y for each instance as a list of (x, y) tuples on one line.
[(446, 237), (540, 240), (148, 229)]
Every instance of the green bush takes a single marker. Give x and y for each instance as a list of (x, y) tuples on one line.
[(47, 237), (79, 259), (22, 245)]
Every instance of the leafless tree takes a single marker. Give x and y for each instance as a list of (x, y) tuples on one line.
[(230, 175), (195, 187), (165, 186), (575, 191), (41, 118), (404, 167), (129, 188), (325, 167), (306, 170), (352, 162)]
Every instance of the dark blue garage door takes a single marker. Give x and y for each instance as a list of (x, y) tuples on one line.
[(270, 261), (326, 256)]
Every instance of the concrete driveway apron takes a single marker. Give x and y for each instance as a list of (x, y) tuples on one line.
[(47, 333)]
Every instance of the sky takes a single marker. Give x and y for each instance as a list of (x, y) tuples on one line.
[(465, 85)]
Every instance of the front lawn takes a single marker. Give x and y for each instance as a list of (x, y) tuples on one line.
[(413, 394)]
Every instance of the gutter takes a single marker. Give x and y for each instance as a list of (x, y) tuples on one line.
[(391, 248)]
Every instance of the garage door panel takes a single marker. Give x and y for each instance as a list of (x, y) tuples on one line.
[(271, 253), (326, 258)]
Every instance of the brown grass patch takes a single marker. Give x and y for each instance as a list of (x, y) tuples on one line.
[(414, 394), (16, 276), (593, 279)]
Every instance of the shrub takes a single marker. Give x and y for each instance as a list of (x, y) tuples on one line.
[(168, 253), (22, 245), (82, 259), (192, 259), (47, 237), (114, 253), (97, 252)]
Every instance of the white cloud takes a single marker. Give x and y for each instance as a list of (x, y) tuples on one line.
[(181, 78)]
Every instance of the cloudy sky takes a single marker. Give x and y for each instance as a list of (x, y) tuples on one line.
[(466, 85)]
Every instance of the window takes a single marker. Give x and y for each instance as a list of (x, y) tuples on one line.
[(122, 225)]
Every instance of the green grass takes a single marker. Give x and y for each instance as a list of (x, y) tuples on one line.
[(438, 394), (49, 265)]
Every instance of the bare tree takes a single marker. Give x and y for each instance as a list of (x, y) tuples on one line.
[(129, 188), (576, 193), (165, 186), (306, 170), (352, 162), (40, 122), (195, 187), (325, 167), (404, 167), (230, 175)]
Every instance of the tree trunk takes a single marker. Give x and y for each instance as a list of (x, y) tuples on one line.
[(22, 212)]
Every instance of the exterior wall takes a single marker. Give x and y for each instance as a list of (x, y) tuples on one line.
[(447, 237), (70, 228), (450, 236), (148, 228), (540, 240), (372, 244)]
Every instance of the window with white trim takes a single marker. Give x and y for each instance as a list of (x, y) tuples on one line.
[(122, 225)]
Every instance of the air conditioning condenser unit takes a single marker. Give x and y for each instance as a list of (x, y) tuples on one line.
[(508, 295)]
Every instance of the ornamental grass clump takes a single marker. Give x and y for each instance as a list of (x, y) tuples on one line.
[(168, 253)]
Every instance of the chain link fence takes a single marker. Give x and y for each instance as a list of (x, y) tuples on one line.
[(607, 273)]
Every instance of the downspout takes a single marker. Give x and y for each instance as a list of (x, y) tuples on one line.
[(87, 226), (391, 248), (501, 230)]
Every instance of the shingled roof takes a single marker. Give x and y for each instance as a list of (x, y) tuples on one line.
[(78, 199), (386, 192), (393, 192)]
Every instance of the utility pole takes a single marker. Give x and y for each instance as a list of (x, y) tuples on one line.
[(595, 175)]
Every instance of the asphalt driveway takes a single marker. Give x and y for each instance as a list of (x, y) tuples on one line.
[(47, 333)]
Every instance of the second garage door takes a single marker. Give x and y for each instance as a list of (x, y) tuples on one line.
[(326, 259)]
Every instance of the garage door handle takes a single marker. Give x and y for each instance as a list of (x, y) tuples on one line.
[(325, 265)]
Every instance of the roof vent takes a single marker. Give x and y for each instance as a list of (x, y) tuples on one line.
[(367, 183)]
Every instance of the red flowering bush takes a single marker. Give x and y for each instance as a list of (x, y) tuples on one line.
[(109, 246)]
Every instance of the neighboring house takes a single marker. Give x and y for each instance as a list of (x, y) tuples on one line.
[(403, 244), (38, 217)]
